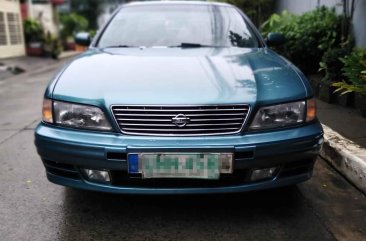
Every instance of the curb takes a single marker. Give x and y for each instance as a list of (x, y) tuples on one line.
[(345, 156), (49, 66), (68, 54)]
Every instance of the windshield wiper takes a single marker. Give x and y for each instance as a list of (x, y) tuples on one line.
[(191, 45), (120, 46), (182, 45)]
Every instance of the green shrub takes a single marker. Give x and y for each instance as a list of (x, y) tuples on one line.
[(92, 33), (277, 21), (33, 31), (52, 46), (332, 64), (308, 36), (354, 70), (71, 24)]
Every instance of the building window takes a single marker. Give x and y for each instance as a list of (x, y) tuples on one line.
[(3, 38), (15, 34)]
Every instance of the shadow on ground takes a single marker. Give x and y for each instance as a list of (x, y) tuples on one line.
[(265, 215)]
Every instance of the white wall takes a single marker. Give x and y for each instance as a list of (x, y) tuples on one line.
[(301, 6), (359, 18), (359, 23), (11, 50), (44, 13)]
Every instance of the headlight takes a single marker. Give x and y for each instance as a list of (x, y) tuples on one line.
[(80, 116), (282, 115)]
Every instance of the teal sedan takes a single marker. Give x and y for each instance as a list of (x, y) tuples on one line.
[(178, 98)]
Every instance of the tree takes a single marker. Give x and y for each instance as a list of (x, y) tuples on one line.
[(257, 10), (90, 9), (348, 11)]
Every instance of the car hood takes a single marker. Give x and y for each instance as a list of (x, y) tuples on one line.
[(179, 76)]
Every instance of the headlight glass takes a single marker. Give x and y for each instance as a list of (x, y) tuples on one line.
[(80, 116), (282, 115)]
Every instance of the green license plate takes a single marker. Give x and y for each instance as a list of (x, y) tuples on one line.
[(170, 165)]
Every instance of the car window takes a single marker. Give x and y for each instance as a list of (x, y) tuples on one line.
[(171, 25)]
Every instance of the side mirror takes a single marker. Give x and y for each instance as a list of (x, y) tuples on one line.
[(275, 39), (83, 39)]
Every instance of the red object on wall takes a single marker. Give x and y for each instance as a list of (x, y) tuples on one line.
[(34, 51), (24, 10), (57, 2)]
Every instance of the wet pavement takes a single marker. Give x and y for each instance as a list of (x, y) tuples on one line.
[(325, 208)]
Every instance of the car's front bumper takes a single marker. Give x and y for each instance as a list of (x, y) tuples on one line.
[(64, 151)]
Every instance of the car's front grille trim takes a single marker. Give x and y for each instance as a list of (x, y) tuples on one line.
[(168, 120), (172, 125), (177, 110), (203, 119), (163, 115), (179, 130)]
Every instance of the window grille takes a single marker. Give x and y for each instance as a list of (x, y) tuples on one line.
[(14, 28), (3, 35)]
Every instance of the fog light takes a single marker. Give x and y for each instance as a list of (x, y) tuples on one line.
[(264, 173), (97, 175), (320, 141)]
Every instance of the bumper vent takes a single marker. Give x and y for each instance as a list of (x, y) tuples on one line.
[(60, 169), (181, 120), (296, 168)]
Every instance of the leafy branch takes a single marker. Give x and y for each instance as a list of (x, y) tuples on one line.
[(354, 70)]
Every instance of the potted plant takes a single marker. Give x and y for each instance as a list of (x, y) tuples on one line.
[(354, 69), (34, 37), (52, 46), (332, 65)]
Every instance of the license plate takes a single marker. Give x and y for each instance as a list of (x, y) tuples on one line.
[(172, 165)]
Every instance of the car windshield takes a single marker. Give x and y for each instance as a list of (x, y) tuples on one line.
[(178, 25)]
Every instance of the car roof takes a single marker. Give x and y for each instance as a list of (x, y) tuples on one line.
[(165, 2)]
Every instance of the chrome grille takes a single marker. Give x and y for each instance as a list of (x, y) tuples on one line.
[(201, 120)]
